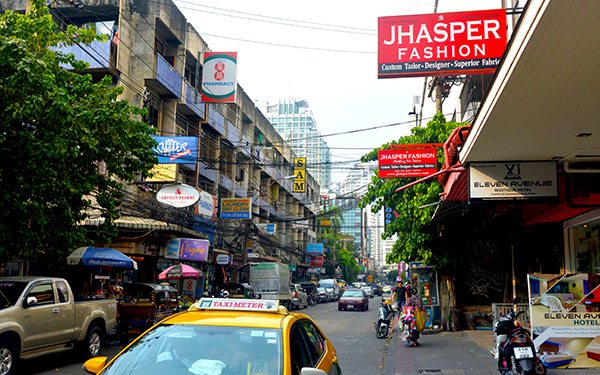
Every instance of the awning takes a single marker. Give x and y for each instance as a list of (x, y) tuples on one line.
[(97, 257), (132, 222)]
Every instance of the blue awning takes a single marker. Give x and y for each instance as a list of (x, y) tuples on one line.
[(101, 257)]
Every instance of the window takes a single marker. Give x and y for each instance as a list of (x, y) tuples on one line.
[(307, 346), (43, 292), (63, 291)]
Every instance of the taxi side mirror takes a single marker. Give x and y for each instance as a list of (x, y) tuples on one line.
[(94, 365), (312, 371)]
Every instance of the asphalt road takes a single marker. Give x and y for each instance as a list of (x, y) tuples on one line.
[(351, 333)]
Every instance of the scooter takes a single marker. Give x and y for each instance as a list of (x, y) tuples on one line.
[(385, 314), (515, 348)]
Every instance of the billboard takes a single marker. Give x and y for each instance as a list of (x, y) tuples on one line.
[(512, 181), (163, 173), (219, 77), (565, 319), (441, 44), (236, 208), (191, 249), (316, 261), (410, 162), (176, 150)]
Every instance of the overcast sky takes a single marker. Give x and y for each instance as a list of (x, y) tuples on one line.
[(299, 50)]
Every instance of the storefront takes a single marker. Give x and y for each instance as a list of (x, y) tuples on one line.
[(582, 244)]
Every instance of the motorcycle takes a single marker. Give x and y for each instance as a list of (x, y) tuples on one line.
[(515, 348), (385, 314)]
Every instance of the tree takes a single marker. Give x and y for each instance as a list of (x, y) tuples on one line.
[(63, 139), (413, 225)]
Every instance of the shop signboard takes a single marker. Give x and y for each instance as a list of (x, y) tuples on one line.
[(190, 249), (223, 259), (314, 270), (316, 261), (176, 150), (565, 319), (207, 205), (178, 195), (219, 77), (512, 181), (163, 173), (236, 208), (314, 249), (409, 162), (441, 44)]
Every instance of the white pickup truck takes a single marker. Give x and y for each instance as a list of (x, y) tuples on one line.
[(38, 315)]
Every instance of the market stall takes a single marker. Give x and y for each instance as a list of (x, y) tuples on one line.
[(97, 271), (187, 280)]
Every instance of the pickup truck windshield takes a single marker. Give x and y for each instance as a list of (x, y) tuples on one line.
[(193, 349), (10, 292)]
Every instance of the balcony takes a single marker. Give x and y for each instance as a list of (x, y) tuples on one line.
[(97, 54), (216, 119), (226, 183), (211, 174), (233, 133), (165, 81), (191, 105)]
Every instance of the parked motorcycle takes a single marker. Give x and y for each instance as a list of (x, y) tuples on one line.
[(515, 348), (385, 314)]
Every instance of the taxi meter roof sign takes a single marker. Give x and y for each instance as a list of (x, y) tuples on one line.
[(263, 305)]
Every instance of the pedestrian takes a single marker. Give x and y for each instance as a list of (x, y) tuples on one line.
[(398, 300)]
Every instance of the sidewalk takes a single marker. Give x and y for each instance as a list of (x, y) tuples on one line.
[(456, 353)]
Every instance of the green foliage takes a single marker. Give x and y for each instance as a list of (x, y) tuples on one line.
[(412, 226), (56, 127)]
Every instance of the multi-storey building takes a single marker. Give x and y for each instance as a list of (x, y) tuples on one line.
[(154, 54), (294, 120)]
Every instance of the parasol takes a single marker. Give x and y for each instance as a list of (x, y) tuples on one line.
[(180, 271), (101, 257)]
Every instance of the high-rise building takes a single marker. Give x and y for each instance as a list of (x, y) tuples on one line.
[(294, 121)]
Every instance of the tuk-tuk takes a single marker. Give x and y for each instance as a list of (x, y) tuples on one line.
[(142, 305)]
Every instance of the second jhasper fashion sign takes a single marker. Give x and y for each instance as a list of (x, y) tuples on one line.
[(565, 319)]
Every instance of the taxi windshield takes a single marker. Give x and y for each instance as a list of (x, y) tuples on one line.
[(202, 350)]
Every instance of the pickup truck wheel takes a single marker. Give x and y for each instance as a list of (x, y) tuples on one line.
[(92, 346), (8, 358)]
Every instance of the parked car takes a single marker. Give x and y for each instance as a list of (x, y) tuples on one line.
[(142, 306), (376, 289), (39, 316), (299, 297), (333, 285), (368, 291), (324, 295), (311, 290), (354, 299), (219, 336)]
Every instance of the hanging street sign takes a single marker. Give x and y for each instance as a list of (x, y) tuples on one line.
[(179, 195)]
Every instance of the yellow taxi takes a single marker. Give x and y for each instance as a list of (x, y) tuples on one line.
[(226, 337)]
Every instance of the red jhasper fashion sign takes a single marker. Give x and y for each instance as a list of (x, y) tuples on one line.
[(411, 162), (441, 44)]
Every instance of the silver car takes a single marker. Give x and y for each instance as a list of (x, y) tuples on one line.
[(369, 291)]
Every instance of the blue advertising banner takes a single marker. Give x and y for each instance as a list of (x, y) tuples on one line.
[(314, 248), (176, 150)]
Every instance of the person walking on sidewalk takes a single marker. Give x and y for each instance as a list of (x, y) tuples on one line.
[(398, 301)]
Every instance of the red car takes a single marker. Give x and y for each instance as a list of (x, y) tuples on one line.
[(353, 299)]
